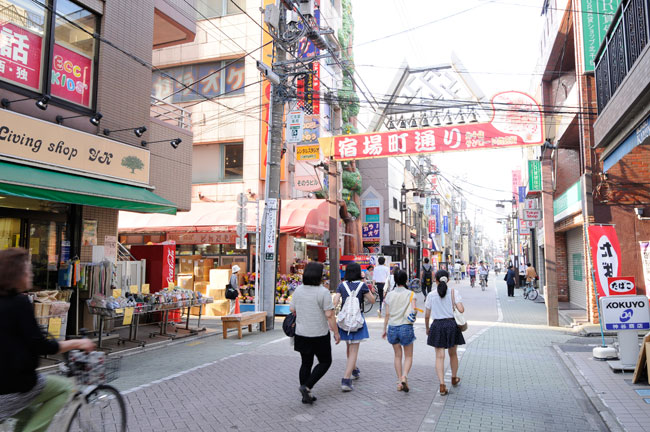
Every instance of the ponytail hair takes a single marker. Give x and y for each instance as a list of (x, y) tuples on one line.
[(442, 276)]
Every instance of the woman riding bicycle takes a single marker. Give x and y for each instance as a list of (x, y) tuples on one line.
[(31, 398), (471, 271)]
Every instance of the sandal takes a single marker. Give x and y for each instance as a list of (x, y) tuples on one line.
[(399, 386), (443, 390), (455, 381), (405, 385)]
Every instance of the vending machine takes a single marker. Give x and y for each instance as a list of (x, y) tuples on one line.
[(161, 264)]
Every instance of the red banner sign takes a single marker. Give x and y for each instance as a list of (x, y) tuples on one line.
[(203, 237), (605, 255), (623, 285), (432, 225), (71, 76), (20, 56), (516, 121)]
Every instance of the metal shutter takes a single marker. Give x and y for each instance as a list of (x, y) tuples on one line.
[(576, 268)]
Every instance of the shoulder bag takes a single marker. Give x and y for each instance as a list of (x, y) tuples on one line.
[(458, 316)]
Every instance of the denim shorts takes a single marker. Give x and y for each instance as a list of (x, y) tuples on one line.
[(403, 334)]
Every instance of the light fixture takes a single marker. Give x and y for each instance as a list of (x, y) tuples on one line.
[(436, 120), (472, 117), (94, 120), (413, 123), (448, 120), (461, 117), (391, 124), (139, 131), (424, 121), (41, 102), (174, 143), (402, 123)]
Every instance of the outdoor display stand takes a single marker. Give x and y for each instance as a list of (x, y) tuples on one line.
[(626, 315)]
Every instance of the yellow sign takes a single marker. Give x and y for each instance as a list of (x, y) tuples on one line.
[(145, 289), (171, 286), (119, 311), (133, 289), (308, 152), (117, 292), (28, 140), (54, 327), (128, 316)]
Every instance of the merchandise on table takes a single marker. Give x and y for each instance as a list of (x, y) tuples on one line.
[(51, 311)]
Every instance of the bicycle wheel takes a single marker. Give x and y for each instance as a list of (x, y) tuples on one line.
[(533, 294), (102, 410), (415, 286)]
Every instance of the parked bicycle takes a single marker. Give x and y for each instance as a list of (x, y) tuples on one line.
[(530, 291)]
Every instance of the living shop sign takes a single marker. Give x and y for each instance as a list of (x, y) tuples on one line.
[(36, 142), (516, 122)]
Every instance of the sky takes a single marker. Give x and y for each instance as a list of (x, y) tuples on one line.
[(497, 41)]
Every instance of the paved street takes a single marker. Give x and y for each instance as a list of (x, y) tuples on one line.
[(512, 380)]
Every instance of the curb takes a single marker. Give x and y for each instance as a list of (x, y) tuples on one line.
[(605, 413)]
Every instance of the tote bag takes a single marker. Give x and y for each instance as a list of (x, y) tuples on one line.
[(458, 315)]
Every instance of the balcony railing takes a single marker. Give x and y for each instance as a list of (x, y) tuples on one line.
[(171, 114), (627, 37)]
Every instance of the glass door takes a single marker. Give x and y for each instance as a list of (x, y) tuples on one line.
[(45, 239)]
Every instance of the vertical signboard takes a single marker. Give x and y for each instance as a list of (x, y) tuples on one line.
[(605, 255), (445, 224), (645, 260), (435, 213), (516, 181), (534, 175), (597, 16)]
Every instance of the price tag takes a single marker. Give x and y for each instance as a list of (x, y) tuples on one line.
[(128, 316), (117, 293), (119, 311), (145, 288), (54, 327), (133, 289)]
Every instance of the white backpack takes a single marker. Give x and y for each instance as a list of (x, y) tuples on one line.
[(349, 318)]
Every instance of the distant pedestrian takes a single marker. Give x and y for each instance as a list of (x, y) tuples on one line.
[(353, 339), (471, 271), (381, 276), (312, 304), (398, 328), (511, 280), (444, 333), (457, 271), (462, 270), (531, 274), (522, 274), (234, 282), (427, 277)]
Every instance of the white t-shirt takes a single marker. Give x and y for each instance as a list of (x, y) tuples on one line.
[(381, 274), (398, 301), (441, 307)]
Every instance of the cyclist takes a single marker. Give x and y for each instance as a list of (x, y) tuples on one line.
[(471, 271), (483, 271), (457, 271), (531, 274), (31, 398)]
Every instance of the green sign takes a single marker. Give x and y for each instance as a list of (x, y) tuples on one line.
[(597, 15), (577, 266), (534, 175), (568, 203)]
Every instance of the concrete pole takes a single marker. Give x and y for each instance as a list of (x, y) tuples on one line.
[(333, 181), (550, 263)]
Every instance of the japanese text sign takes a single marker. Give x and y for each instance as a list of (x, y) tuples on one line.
[(605, 254), (508, 128), (531, 214), (645, 260), (623, 285), (370, 230), (295, 121), (435, 212), (625, 312), (534, 175), (597, 16), (445, 224), (72, 75), (20, 56), (432, 225)]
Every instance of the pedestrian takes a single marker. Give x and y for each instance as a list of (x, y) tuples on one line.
[(398, 328), (522, 274), (471, 271), (234, 282), (380, 276), (511, 280), (531, 274), (457, 271), (462, 270), (427, 277), (353, 339), (444, 333), (312, 304), (33, 399)]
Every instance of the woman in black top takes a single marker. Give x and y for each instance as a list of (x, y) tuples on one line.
[(33, 399)]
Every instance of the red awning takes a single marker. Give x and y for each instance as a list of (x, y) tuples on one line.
[(298, 217)]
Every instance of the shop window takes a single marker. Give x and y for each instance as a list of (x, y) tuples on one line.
[(205, 79), (73, 55), (218, 8), (233, 161), (214, 163), (395, 203)]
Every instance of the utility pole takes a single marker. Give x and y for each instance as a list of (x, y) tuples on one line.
[(332, 196), (272, 186)]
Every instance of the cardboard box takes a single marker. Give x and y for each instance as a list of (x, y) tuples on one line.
[(201, 287), (186, 281), (186, 264), (194, 310), (202, 269), (217, 293), (219, 277), (218, 308)]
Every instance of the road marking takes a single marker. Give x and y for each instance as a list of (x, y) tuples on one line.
[(283, 338), (191, 344)]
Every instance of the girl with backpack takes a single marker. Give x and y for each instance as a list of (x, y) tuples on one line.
[(351, 322), (444, 333), (398, 327)]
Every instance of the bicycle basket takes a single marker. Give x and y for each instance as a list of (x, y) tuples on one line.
[(93, 368)]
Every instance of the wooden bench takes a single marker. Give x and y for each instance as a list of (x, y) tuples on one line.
[(242, 320)]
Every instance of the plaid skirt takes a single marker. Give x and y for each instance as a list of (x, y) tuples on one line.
[(444, 333)]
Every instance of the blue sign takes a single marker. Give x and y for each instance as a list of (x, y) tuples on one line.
[(435, 212), (370, 231), (445, 224), (522, 194)]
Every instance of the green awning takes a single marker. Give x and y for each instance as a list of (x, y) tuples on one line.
[(29, 182)]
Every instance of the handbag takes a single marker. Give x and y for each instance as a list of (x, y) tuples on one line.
[(461, 322), (231, 293), (289, 325)]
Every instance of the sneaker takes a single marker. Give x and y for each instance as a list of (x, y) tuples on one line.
[(356, 374), (346, 385), (307, 398)]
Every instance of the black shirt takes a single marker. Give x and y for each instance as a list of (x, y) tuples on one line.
[(21, 343)]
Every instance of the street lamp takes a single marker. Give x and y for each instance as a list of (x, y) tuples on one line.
[(420, 199)]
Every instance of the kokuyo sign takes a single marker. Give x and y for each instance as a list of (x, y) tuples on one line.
[(605, 254), (623, 285), (625, 312)]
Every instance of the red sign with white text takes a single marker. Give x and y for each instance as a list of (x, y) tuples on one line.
[(605, 255), (72, 75), (623, 285), (516, 121), (20, 56)]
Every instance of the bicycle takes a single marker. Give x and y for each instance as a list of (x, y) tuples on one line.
[(367, 306), (531, 292), (483, 282), (472, 280)]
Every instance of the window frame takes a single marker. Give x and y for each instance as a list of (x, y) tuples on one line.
[(48, 57), (224, 6), (222, 162)]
